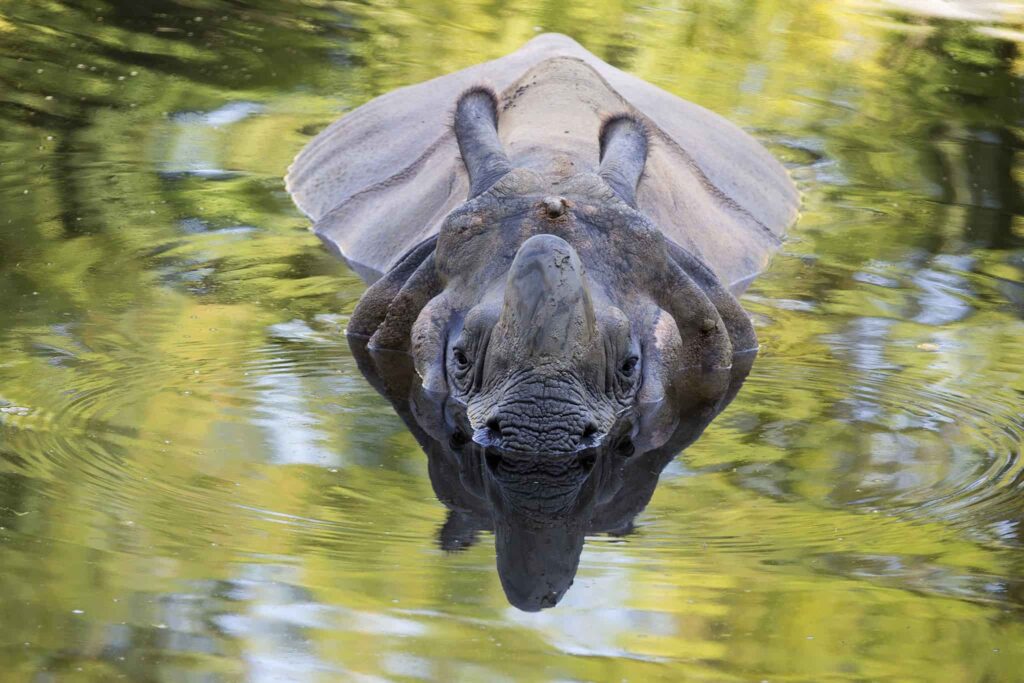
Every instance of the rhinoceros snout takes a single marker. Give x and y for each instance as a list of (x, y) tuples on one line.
[(545, 428), (540, 411)]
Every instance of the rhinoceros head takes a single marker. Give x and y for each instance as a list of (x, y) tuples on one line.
[(551, 306)]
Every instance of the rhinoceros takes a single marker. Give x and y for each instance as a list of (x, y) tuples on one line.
[(555, 242)]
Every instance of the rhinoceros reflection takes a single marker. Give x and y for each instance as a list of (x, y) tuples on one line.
[(541, 506)]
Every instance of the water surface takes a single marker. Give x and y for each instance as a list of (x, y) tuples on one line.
[(197, 483)]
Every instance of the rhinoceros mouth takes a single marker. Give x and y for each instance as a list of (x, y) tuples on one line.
[(543, 487)]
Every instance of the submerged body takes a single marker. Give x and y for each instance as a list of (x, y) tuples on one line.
[(557, 245)]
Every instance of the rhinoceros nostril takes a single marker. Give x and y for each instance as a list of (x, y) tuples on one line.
[(493, 460), (494, 426), (587, 460), (457, 440), (589, 430)]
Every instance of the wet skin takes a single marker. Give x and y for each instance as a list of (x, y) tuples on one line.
[(549, 306)]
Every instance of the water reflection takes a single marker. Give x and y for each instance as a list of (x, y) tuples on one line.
[(270, 517), (540, 507)]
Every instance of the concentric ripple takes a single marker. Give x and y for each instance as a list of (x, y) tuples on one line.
[(929, 450)]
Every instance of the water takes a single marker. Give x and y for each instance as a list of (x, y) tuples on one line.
[(197, 483)]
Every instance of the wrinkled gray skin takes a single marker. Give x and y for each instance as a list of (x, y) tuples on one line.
[(540, 507), (547, 304)]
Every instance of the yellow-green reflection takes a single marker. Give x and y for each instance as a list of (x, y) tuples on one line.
[(196, 483)]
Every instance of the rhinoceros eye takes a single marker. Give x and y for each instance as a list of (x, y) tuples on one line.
[(629, 366), (460, 369), (465, 360)]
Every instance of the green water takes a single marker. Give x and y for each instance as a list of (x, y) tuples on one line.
[(197, 484)]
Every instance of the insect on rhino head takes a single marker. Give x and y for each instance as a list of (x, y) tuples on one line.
[(551, 306)]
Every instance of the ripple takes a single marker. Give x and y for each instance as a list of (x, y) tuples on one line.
[(918, 574), (900, 443), (109, 416)]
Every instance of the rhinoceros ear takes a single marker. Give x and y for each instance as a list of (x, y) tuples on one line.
[(387, 310), (623, 141), (476, 129)]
